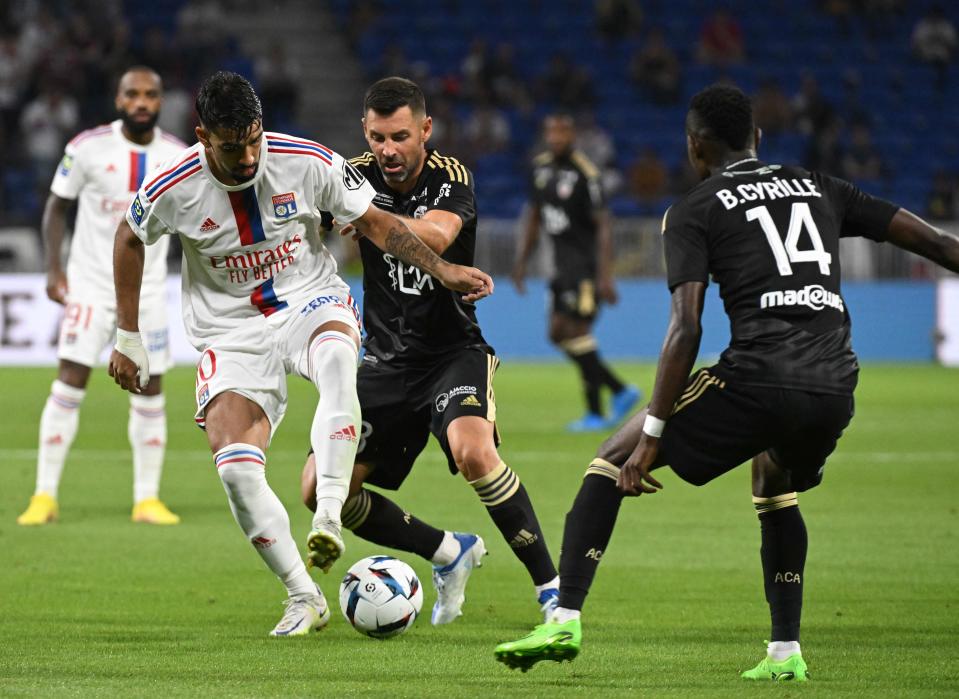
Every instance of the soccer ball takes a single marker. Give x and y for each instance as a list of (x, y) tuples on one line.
[(380, 596)]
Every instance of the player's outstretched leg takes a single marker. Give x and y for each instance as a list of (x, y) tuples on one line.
[(783, 553), (334, 436), (589, 526), (147, 433), (58, 428)]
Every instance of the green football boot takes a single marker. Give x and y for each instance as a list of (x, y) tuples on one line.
[(550, 641), (792, 668)]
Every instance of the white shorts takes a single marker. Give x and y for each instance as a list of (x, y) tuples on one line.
[(254, 359), (88, 326)]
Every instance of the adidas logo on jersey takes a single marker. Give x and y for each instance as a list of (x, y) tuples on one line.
[(348, 433), (471, 402), (209, 225)]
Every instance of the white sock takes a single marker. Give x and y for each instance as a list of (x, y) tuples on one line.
[(447, 551), (58, 428), (147, 433), (780, 650), (335, 433), (551, 585), (261, 515), (561, 615)]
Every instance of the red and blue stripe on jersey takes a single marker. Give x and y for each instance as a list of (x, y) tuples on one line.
[(246, 211), (138, 169), (187, 167), (281, 143), (264, 298)]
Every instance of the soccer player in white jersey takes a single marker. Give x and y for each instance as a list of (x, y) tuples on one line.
[(261, 299), (103, 168)]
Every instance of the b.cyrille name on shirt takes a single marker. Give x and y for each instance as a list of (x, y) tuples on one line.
[(776, 188), (260, 264)]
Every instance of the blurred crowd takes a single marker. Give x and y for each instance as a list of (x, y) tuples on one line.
[(59, 60)]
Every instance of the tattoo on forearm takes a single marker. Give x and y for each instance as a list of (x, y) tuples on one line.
[(401, 243)]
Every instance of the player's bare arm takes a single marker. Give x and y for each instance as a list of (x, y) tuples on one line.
[(908, 231), (526, 245), (52, 226), (675, 364), (392, 235), (605, 286), (437, 229), (128, 255)]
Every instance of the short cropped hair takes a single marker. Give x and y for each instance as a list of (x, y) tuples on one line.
[(725, 114), (228, 101), (389, 94)]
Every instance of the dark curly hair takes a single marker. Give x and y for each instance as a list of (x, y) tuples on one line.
[(389, 94), (723, 113), (227, 101)]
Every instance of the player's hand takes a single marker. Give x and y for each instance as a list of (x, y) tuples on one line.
[(57, 286), (606, 289), (634, 477), (519, 279), (472, 282), (129, 365)]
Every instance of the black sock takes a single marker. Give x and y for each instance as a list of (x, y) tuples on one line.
[(784, 544), (582, 352), (510, 508), (607, 377), (375, 518), (589, 525)]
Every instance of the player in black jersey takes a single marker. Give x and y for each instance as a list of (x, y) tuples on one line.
[(427, 368), (782, 392), (566, 200)]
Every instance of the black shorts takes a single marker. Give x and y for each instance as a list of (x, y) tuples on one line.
[(574, 297), (718, 425), (402, 405)]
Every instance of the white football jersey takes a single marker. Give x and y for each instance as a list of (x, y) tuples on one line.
[(102, 169), (250, 250)]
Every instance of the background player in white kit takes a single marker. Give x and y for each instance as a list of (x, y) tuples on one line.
[(103, 168), (261, 299)]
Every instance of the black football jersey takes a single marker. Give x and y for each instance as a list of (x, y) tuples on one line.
[(768, 235), (568, 192), (410, 317)]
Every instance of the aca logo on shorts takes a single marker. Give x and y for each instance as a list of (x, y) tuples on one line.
[(284, 205), (442, 400)]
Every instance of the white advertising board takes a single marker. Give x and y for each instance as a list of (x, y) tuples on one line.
[(29, 323), (947, 321)]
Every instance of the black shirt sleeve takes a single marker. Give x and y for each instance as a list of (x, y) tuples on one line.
[(453, 194), (863, 215), (685, 247)]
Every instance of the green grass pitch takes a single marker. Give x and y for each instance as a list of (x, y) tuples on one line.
[(95, 605)]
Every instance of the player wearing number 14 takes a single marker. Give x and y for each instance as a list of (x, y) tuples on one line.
[(782, 392)]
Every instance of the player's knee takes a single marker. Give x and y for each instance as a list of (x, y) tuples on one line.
[(611, 450), (474, 460)]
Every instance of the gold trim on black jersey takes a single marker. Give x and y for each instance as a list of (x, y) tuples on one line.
[(584, 164), (364, 159), (454, 168), (696, 388)]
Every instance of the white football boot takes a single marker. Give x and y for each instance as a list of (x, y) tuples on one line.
[(450, 580), (304, 613)]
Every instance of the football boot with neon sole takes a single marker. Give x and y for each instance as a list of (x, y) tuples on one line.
[(450, 580), (153, 511), (792, 669), (549, 641), (304, 613), (42, 509), (324, 545)]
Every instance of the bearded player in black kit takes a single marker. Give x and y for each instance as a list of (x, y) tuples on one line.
[(782, 392), (427, 368)]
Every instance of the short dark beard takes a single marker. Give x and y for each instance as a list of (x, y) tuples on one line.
[(137, 128), (241, 179)]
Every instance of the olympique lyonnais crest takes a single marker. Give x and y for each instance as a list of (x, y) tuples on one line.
[(284, 205)]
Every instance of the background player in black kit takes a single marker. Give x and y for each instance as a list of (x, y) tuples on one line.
[(566, 199), (782, 392), (427, 368)]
